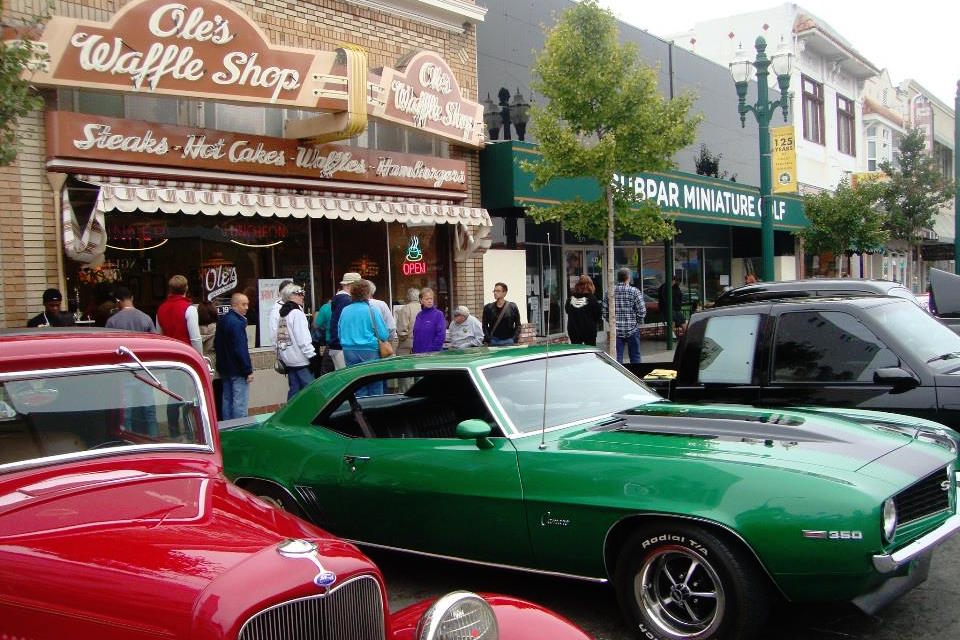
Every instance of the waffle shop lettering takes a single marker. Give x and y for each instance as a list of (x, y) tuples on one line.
[(176, 59)]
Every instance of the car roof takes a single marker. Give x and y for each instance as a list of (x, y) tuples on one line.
[(59, 347), (808, 288), (471, 358), (819, 302)]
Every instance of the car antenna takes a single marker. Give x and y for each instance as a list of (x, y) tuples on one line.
[(546, 358)]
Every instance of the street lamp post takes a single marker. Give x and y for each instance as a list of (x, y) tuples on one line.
[(500, 117), (956, 183), (741, 69)]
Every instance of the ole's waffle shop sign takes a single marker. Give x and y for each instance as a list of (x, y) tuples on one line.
[(208, 49)]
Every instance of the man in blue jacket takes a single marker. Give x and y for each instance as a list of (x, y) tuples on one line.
[(233, 358)]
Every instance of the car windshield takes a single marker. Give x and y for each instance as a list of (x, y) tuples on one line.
[(929, 339), (579, 386), (48, 415)]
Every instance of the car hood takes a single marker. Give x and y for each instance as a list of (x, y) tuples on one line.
[(144, 551), (788, 438)]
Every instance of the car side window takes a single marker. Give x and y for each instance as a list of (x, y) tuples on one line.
[(729, 344), (827, 346), (426, 405)]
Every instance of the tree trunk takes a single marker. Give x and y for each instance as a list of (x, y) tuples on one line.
[(609, 277)]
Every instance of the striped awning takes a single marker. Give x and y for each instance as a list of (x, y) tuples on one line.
[(224, 200)]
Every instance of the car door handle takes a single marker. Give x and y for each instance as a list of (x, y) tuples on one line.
[(353, 460)]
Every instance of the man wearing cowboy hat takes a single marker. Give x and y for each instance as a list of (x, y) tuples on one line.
[(340, 300)]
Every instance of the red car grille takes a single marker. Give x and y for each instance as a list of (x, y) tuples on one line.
[(923, 498), (350, 611)]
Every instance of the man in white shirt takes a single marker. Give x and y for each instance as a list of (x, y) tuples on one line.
[(293, 340)]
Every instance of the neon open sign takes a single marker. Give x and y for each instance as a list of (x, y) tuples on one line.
[(413, 263)]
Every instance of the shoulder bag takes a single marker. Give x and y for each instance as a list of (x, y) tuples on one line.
[(282, 337), (386, 349), (499, 318)]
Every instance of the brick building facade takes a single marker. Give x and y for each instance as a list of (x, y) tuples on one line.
[(32, 252)]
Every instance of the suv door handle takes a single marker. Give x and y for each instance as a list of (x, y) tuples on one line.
[(353, 460)]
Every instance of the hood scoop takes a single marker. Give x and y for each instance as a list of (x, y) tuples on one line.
[(726, 425)]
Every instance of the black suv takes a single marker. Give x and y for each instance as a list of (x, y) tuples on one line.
[(878, 352)]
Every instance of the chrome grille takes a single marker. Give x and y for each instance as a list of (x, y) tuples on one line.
[(350, 611), (923, 498)]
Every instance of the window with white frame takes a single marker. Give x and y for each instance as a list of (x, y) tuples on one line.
[(813, 129)]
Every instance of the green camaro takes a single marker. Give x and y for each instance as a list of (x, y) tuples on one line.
[(561, 462)]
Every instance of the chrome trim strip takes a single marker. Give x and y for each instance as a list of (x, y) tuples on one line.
[(885, 563), (102, 453), (481, 563)]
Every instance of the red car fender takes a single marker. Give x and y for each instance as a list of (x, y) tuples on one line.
[(517, 619)]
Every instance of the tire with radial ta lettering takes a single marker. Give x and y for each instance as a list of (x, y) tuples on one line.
[(676, 581)]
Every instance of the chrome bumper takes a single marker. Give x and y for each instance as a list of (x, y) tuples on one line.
[(885, 563)]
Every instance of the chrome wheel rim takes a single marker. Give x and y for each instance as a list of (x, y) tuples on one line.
[(680, 593)]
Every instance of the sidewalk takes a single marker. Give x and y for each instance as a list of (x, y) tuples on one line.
[(650, 350)]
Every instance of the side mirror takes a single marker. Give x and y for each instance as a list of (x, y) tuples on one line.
[(900, 379), (475, 429)]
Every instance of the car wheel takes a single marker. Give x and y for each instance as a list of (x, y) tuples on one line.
[(680, 582)]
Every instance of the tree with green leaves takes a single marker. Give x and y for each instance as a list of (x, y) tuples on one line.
[(18, 54), (846, 221), (914, 194), (603, 118)]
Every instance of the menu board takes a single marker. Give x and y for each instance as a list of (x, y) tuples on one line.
[(268, 292)]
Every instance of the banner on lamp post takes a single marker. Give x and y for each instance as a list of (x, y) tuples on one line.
[(784, 159)]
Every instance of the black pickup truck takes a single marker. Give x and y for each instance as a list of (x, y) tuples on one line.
[(855, 352)]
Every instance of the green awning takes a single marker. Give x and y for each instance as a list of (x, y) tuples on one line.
[(681, 196)]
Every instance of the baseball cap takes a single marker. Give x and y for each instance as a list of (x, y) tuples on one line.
[(462, 310), (350, 277), (52, 295)]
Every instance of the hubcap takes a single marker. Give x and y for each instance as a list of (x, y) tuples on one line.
[(680, 593)]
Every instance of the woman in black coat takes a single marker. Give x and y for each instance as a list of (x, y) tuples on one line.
[(583, 313)]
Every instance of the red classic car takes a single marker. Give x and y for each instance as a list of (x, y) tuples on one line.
[(116, 520)]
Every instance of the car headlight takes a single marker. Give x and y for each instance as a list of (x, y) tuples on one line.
[(460, 615), (889, 519)]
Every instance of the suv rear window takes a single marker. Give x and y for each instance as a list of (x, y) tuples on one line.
[(55, 414)]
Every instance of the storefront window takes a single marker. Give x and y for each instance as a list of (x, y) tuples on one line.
[(361, 247), (545, 276), (218, 255), (716, 273), (688, 264), (419, 257)]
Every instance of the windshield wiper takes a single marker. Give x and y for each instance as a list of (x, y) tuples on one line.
[(154, 381), (946, 356)]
